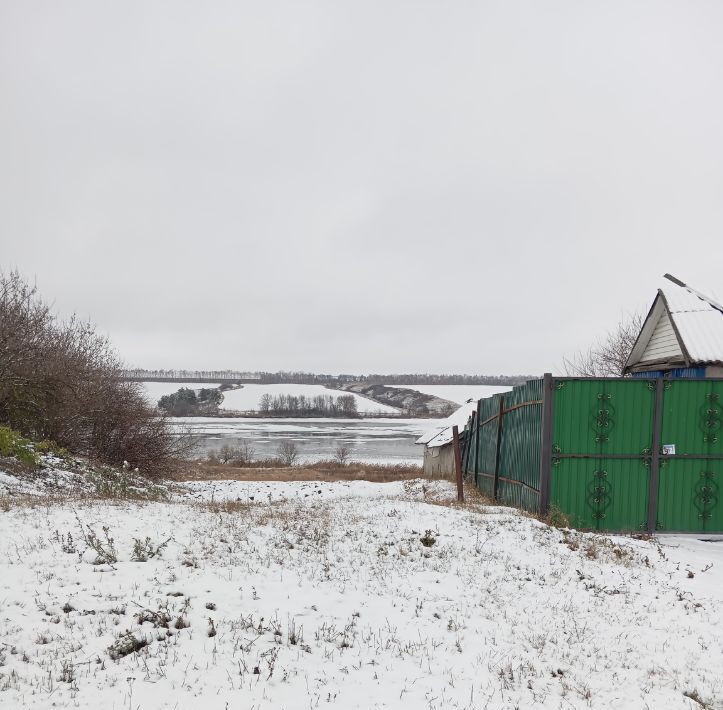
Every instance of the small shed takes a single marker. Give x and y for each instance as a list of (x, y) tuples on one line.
[(438, 449), (682, 335)]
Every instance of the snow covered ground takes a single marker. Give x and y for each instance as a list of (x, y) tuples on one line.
[(457, 393), (247, 398), (352, 595)]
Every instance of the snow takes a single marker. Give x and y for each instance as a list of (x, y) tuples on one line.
[(441, 433), (699, 322), (457, 393), (312, 600), (247, 398)]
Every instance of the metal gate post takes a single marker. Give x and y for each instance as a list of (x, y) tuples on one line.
[(655, 456), (546, 448)]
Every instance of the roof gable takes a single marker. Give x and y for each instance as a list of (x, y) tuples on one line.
[(663, 342)]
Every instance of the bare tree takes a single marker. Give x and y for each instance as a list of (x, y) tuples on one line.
[(288, 452), (342, 454), (607, 356), (265, 402)]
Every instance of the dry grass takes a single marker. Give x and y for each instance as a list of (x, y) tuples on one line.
[(473, 499), (323, 471)]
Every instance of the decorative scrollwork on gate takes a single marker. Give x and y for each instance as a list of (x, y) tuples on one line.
[(602, 419), (706, 495), (710, 418), (599, 495)]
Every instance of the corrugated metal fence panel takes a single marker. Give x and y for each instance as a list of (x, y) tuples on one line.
[(602, 452), (605, 416), (487, 444), (466, 445), (602, 494), (520, 448), (689, 496), (693, 416)]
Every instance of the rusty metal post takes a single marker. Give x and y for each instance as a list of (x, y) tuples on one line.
[(458, 463)]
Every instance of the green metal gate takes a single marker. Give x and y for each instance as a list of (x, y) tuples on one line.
[(601, 452), (615, 454), (690, 479)]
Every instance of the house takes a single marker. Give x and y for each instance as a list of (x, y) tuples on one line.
[(682, 335)]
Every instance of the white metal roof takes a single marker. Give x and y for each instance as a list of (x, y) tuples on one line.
[(697, 321), (442, 433)]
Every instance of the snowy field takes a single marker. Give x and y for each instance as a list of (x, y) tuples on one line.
[(247, 398), (353, 595), (457, 393)]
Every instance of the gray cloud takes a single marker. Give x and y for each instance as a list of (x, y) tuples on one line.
[(409, 186)]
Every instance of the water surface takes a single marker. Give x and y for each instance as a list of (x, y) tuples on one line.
[(370, 440)]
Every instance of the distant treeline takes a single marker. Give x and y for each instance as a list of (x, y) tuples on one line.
[(309, 378), (140, 374), (427, 379), (322, 405)]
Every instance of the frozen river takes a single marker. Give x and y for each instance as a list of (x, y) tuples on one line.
[(383, 440), (371, 440)]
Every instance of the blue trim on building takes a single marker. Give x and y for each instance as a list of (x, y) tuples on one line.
[(697, 373)]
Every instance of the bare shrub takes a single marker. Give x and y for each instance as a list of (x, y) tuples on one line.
[(342, 454), (61, 381), (288, 453), (240, 455)]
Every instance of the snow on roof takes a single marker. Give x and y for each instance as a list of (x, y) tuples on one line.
[(442, 433), (698, 320), (697, 326)]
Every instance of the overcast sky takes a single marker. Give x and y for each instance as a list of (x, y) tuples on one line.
[(344, 186)]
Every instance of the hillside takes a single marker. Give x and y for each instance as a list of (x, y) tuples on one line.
[(410, 401)]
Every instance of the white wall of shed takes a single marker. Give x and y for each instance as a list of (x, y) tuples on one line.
[(663, 344), (439, 461)]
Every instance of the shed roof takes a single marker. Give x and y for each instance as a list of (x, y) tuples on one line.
[(697, 330), (442, 433)]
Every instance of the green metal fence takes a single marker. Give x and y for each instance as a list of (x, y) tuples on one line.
[(615, 454)]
